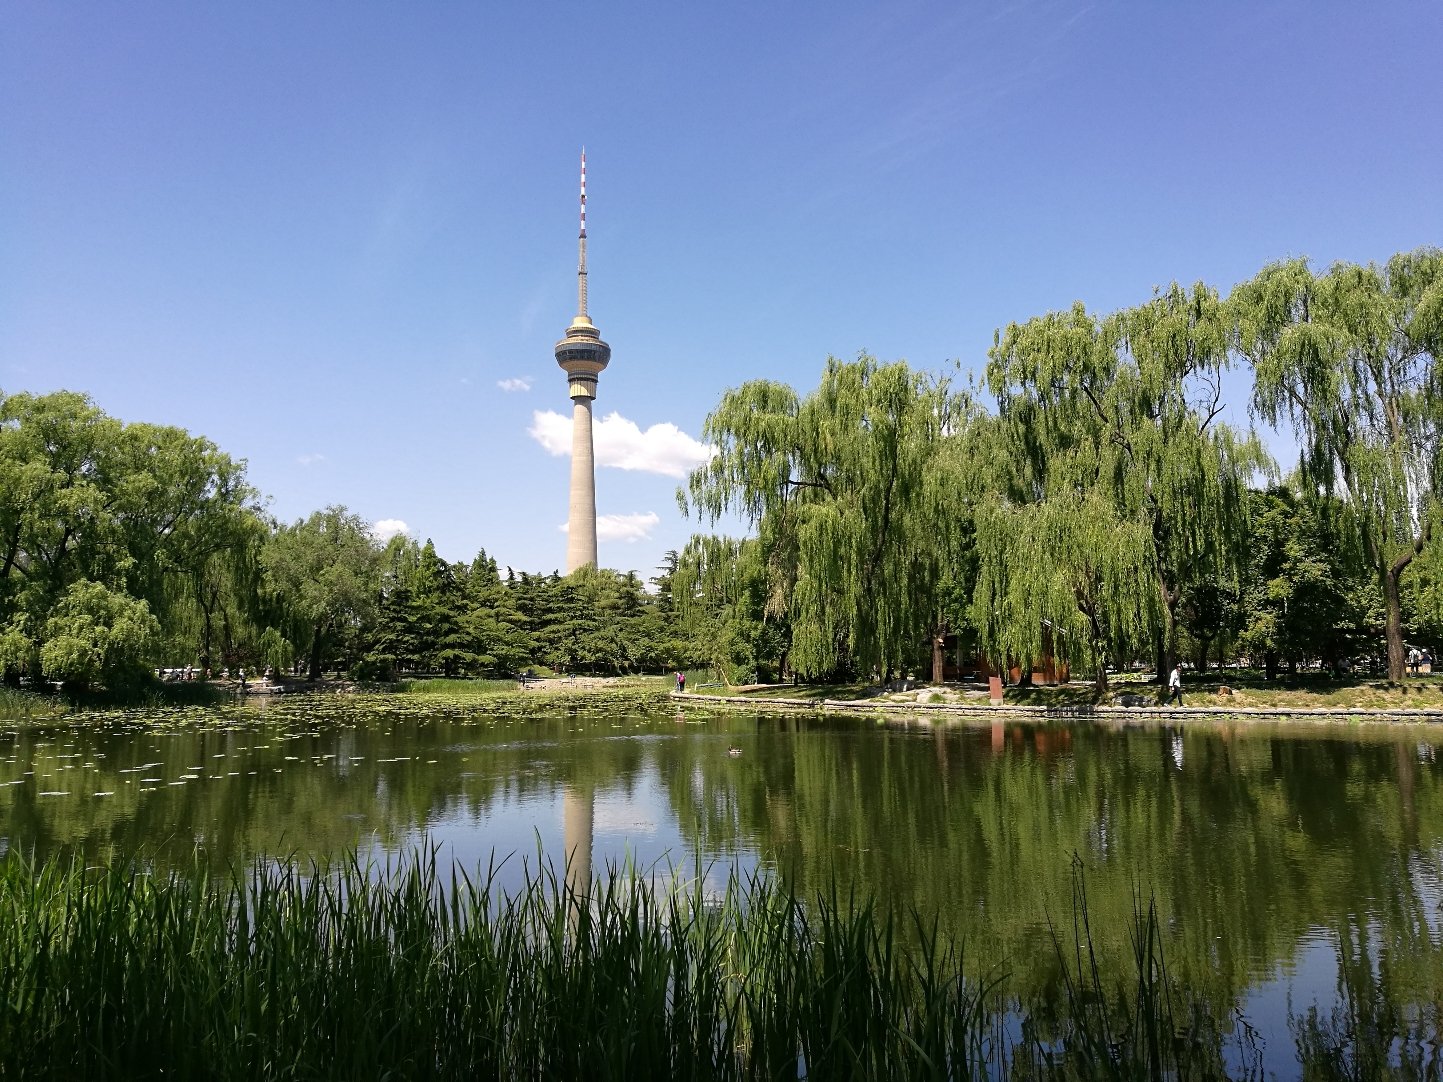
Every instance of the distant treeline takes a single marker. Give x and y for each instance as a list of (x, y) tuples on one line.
[(1102, 508), (133, 546)]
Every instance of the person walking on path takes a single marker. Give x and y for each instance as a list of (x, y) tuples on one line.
[(1174, 686)]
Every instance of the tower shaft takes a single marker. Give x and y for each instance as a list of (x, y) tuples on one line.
[(581, 516)]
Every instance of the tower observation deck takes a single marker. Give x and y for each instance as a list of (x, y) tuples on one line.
[(582, 355)]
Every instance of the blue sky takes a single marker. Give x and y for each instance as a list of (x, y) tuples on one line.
[(323, 235)]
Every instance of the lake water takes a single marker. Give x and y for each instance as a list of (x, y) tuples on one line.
[(1292, 866)]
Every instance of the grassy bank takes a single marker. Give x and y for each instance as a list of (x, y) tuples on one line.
[(19, 705), (343, 973), (544, 683), (479, 689), (1228, 689), (33, 706)]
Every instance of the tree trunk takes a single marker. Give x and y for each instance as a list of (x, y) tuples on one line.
[(1167, 643), (1160, 660), (938, 641), (1391, 574), (1397, 661), (12, 552), (315, 669), (228, 650), (206, 601), (1098, 644), (1270, 664), (1202, 654)]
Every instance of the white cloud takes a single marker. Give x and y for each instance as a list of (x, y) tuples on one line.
[(310, 460), (663, 448), (388, 528), (552, 431), (634, 527), (518, 384)]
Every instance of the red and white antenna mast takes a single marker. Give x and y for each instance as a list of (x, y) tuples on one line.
[(581, 271)]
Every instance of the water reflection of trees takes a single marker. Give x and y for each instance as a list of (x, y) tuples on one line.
[(300, 792), (1254, 841), (1250, 841)]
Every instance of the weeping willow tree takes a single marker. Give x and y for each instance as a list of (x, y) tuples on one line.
[(1066, 575), (1120, 483), (854, 498), (728, 616), (1350, 359)]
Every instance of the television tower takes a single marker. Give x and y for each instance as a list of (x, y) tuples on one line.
[(582, 355)]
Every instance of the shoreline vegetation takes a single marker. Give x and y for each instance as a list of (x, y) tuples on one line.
[(351, 971), (1308, 699), (1229, 695)]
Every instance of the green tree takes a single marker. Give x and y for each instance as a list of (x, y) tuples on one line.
[(218, 611), (1349, 358), (133, 508), (1064, 574), (96, 633), (437, 615), (853, 502), (1208, 615), (494, 619), (1113, 428), (393, 645), (327, 570), (728, 620), (1423, 601), (1303, 594)]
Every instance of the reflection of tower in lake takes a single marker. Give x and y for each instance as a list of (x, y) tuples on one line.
[(578, 805)]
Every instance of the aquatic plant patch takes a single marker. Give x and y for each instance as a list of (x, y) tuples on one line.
[(340, 972)]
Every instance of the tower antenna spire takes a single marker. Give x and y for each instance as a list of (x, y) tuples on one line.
[(581, 266)]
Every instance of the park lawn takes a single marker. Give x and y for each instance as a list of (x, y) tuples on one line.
[(462, 688), (1315, 692), (813, 692), (1248, 689), (456, 688)]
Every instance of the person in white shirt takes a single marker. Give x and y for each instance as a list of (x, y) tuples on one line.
[(1174, 686)]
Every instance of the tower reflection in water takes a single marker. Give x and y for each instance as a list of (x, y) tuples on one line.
[(578, 806)]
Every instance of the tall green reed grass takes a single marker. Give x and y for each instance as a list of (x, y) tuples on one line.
[(1148, 1029), (455, 687), (354, 972), (23, 705)]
